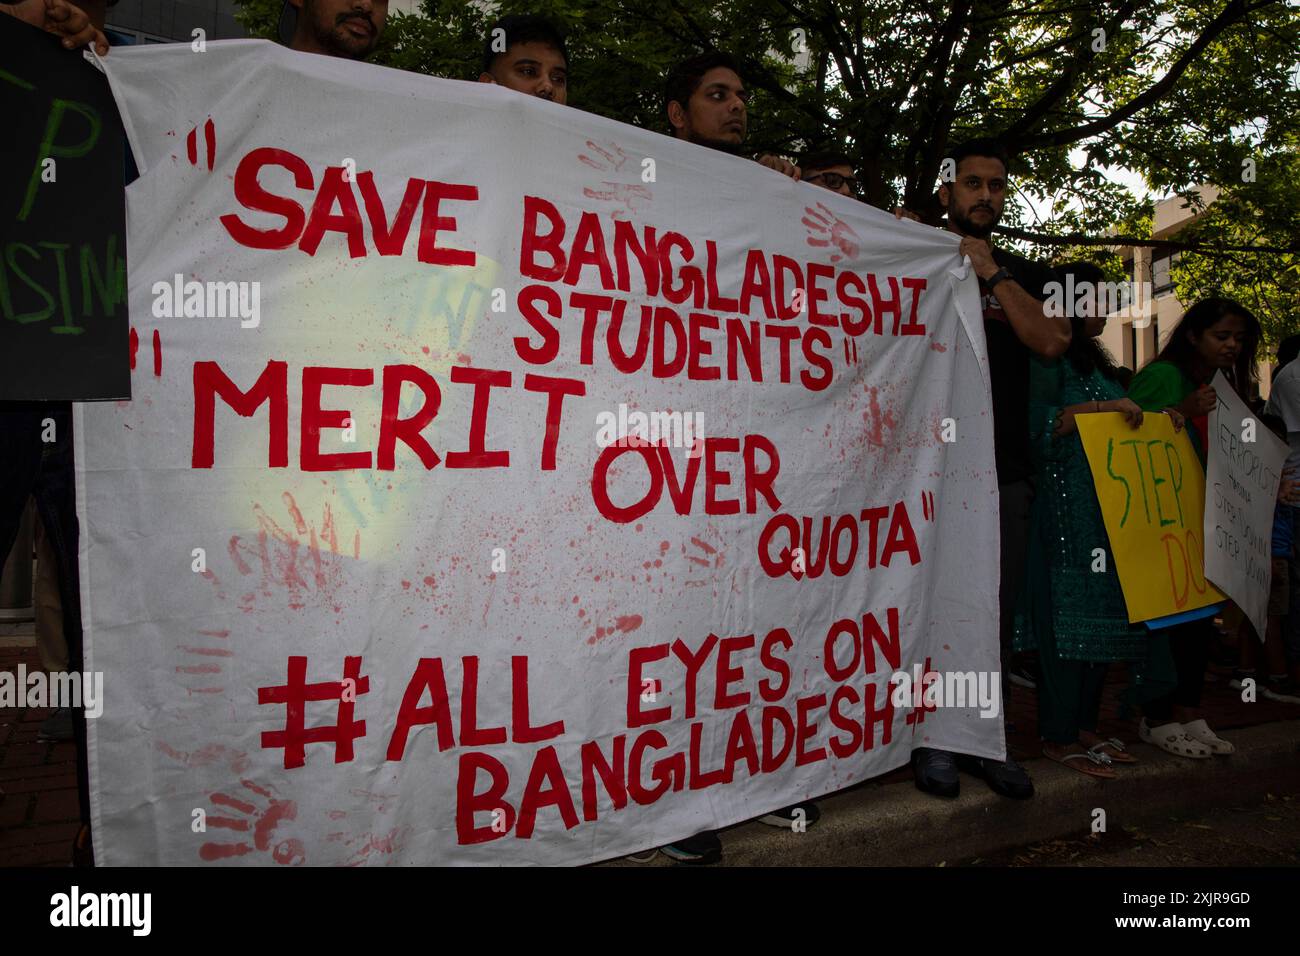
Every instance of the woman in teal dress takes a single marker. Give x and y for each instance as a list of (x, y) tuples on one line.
[(1072, 609)]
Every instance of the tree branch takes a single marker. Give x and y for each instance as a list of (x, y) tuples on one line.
[(1235, 11), (1078, 239)]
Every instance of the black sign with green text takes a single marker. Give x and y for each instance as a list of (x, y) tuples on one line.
[(63, 314)]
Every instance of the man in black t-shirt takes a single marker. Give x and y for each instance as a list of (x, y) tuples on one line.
[(1012, 290)]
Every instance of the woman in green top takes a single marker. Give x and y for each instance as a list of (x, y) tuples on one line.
[(1214, 335), (1071, 608)]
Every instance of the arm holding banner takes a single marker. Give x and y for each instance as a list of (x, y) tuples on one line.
[(1051, 420), (1043, 334), (61, 18)]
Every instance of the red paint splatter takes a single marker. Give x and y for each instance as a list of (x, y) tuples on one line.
[(223, 851), (207, 651), (198, 669)]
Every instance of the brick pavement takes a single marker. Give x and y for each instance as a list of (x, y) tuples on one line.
[(38, 812)]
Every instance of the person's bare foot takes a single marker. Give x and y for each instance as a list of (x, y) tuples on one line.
[(1076, 757)]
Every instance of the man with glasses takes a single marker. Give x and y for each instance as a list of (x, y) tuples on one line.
[(830, 170)]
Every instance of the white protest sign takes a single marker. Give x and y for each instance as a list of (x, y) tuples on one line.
[(1243, 473), (420, 564)]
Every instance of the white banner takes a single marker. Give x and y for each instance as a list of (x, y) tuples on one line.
[(369, 574), (1243, 474)]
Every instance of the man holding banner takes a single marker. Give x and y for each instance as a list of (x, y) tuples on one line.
[(1012, 291)]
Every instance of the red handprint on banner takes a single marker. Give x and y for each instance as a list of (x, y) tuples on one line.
[(629, 195), (257, 811), (302, 558), (826, 229), (609, 157)]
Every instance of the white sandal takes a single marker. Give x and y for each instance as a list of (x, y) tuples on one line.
[(1200, 730), (1173, 738)]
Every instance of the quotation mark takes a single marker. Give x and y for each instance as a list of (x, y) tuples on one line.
[(850, 351), (927, 505), (209, 144), (157, 351)]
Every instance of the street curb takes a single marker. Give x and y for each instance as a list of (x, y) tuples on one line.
[(897, 825)]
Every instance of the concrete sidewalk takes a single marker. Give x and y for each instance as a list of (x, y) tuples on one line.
[(897, 825)]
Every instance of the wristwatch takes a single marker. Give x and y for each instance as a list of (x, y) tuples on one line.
[(997, 277)]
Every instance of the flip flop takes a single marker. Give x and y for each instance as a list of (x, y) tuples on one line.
[(1117, 752), (1087, 763)]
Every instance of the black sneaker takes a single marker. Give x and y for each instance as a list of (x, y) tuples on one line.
[(796, 818), (935, 772), (699, 850), (1007, 779)]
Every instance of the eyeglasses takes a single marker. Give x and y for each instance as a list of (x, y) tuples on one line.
[(834, 181)]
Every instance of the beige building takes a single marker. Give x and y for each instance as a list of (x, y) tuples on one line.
[(1136, 334)]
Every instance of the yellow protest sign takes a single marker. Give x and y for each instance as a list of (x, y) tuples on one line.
[(1152, 493)]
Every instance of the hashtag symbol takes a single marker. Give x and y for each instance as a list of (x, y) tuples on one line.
[(295, 693)]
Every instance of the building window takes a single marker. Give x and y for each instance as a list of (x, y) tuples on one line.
[(1161, 281)]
